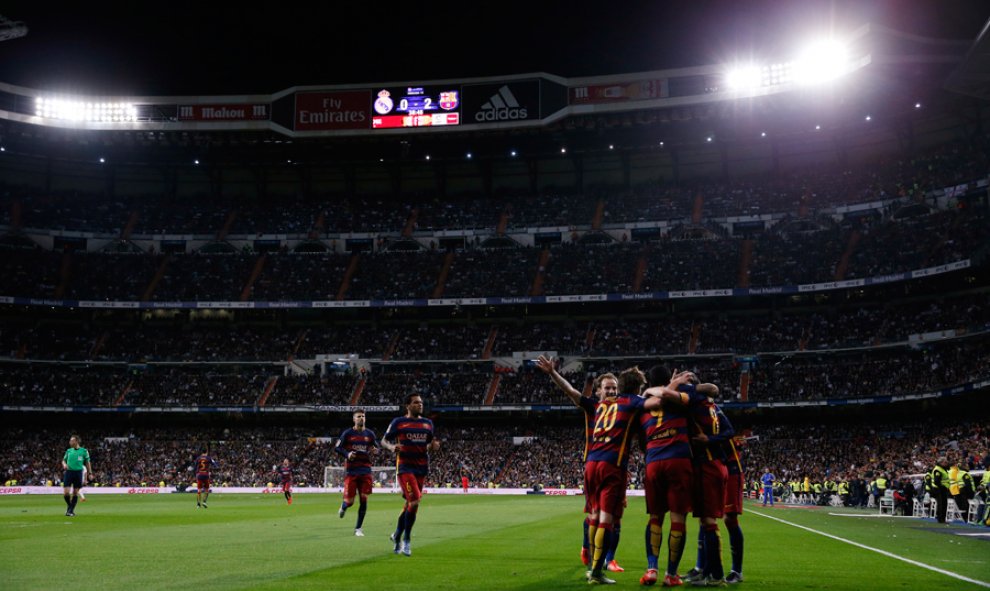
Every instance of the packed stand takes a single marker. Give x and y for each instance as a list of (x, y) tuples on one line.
[(883, 373), (393, 275), (601, 268), (300, 277), (492, 272), (57, 385), (329, 389), (193, 386), (429, 341)]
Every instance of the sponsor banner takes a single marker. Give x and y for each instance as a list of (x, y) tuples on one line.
[(766, 290), (634, 297), (517, 300), (497, 301), (458, 302), (224, 304), (700, 293), (577, 298), (343, 304), (619, 92), (283, 304), (397, 303), (322, 111), (964, 264), (501, 103), (227, 112)]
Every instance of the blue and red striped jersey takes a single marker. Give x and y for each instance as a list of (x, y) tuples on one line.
[(666, 431), (614, 418), (730, 452), (285, 473), (359, 442), (203, 465), (706, 421), (412, 437), (588, 405)]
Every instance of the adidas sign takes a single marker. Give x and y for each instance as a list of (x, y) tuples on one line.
[(502, 106)]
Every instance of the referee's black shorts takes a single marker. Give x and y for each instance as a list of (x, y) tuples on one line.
[(72, 478)]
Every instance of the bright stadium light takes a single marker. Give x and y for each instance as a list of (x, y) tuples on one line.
[(821, 61), (76, 110), (745, 77)]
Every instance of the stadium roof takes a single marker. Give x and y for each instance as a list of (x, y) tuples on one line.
[(210, 49)]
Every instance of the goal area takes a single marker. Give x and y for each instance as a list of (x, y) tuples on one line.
[(381, 477)]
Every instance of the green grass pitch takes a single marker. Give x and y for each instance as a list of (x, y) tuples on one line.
[(459, 542)]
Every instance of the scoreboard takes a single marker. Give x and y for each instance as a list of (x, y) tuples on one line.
[(416, 106)]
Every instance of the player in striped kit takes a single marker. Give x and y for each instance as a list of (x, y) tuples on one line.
[(356, 446), (608, 458), (411, 437), (669, 474), (604, 385)]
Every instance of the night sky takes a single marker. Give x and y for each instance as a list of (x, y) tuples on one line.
[(175, 49)]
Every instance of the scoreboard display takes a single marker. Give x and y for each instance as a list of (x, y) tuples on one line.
[(416, 106)]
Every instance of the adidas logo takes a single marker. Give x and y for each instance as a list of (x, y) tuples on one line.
[(503, 106)]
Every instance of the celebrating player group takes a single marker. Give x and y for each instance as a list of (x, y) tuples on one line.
[(692, 466)]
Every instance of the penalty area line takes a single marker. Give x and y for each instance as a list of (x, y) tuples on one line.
[(878, 551)]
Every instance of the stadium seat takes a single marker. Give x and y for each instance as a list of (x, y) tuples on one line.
[(887, 503)]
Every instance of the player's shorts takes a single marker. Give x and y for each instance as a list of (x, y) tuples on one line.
[(668, 486), (412, 486), (605, 487), (73, 478), (357, 483), (287, 486), (709, 489), (734, 493), (202, 482)]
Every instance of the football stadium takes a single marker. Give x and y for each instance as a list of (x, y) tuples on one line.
[(496, 296)]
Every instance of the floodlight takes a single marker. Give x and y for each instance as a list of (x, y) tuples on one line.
[(821, 61), (744, 77)]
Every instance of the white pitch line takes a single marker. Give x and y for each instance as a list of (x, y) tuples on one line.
[(872, 515), (878, 551), (975, 535)]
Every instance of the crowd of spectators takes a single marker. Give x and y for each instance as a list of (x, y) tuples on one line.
[(678, 261), (439, 384), (813, 188), (703, 332), (855, 450), (523, 455), (309, 389), (441, 342), (900, 370)]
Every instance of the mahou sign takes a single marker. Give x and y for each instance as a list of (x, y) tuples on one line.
[(222, 112), (321, 111)]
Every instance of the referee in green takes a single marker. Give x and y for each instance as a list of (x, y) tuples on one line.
[(75, 458)]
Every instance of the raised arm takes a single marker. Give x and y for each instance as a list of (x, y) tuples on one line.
[(546, 365), (658, 395)]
